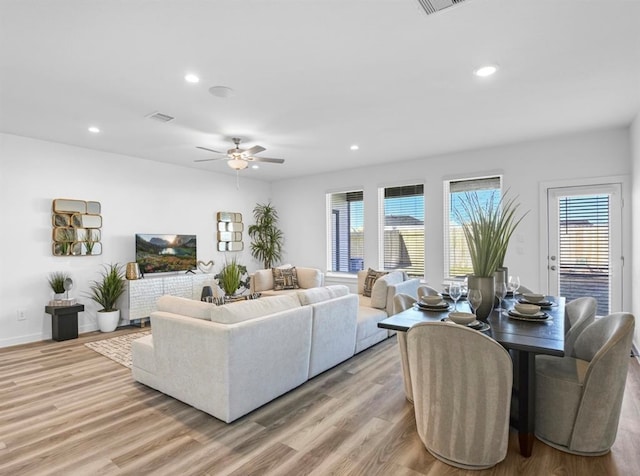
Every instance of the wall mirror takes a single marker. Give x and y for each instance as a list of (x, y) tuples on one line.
[(230, 228), (76, 227)]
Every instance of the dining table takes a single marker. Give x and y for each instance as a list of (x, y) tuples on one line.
[(523, 338)]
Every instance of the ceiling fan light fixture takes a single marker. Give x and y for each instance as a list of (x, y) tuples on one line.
[(237, 164)]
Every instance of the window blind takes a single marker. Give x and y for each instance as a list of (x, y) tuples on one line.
[(401, 219), (584, 248)]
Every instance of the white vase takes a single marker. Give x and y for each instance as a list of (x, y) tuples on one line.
[(108, 320)]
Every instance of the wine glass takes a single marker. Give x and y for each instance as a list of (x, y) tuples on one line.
[(514, 284), (474, 297), (455, 291), (501, 292)]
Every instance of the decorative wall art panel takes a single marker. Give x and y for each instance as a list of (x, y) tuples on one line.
[(76, 227), (230, 228)]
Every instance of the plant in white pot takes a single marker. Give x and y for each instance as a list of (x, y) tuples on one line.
[(488, 226), (106, 292)]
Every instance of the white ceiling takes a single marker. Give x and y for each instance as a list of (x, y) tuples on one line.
[(312, 78)]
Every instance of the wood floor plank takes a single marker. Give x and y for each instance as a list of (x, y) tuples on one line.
[(67, 410)]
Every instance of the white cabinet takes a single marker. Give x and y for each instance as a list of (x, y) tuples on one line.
[(143, 294)]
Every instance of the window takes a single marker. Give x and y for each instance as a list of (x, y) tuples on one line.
[(346, 238), (402, 229), (457, 261)]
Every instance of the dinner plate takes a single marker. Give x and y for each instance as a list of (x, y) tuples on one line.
[(438, 307), (475, 325), (538, 316), (539, 303)]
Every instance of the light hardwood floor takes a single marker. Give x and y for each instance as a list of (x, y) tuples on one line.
[(65, 409)]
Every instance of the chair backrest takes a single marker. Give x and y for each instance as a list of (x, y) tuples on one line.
[(523, 289), (424, 290), (461, 384), (402, 301), (606, 345), (578, 315)]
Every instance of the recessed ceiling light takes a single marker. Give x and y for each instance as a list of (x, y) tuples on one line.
[(221, 91), (255, 166), (191, 78), (94, 129), (485, 71), (354, 147)]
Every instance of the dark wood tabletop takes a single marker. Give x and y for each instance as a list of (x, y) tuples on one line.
[(524, 339)]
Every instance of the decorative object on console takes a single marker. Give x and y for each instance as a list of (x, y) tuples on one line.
[(370, 280), (487, 226), (106, 293), (76, 227), (205, 267), (285, 278), (267, 238), (230, 230), (133, 271), (165, 253)]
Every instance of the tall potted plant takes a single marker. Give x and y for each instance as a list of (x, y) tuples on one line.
[(267, 238), (106, 291), (488, 226)]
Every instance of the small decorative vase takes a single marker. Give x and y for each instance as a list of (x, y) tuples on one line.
[(133, 271), (486, 286), (108, 321)]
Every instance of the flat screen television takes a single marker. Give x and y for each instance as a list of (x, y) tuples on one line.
[(166, 253)]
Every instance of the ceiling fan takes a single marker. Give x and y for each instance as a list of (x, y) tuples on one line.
[(238, 158)]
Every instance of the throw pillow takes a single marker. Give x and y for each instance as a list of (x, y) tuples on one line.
[(370, 280), (285, 278)]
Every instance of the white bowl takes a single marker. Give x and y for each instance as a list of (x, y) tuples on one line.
[(529, 309), (533, 297), (431, 300), (462, 318)]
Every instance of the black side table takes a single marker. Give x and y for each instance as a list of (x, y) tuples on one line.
[(64, 321)]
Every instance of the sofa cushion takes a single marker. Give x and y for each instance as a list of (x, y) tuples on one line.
[(370, 280), (262, 280), (186, 307), (246, 310), (380, 288), (309, 277), (285, 278), (315, 295)]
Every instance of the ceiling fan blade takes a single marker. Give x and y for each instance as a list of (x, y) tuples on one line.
[(208, 160), (254, 150), (210, 150), (266, 159)]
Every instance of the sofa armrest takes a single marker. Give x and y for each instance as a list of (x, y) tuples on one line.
[(410, 287)]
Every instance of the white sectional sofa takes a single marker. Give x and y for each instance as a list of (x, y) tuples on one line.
[(229, 360), (379, 305), (262, 280)]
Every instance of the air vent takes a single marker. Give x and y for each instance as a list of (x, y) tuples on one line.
[(433, 6), (158, 116)]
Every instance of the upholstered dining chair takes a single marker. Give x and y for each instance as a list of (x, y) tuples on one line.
[(578, 399), (578, 314), (424, 290), (401, 302), (461, 381)]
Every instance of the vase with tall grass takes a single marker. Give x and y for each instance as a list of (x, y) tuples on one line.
[(488, 226), (106, 291)]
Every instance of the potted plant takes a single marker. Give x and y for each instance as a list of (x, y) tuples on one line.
[(267, 238), (230, 277), (56, 281), (106, 292), (488, 226)]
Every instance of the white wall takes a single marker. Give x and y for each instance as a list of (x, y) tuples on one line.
[(301, 202), (137, 196), (635, 223)]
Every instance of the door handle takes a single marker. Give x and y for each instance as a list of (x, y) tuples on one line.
[(552, 267)]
